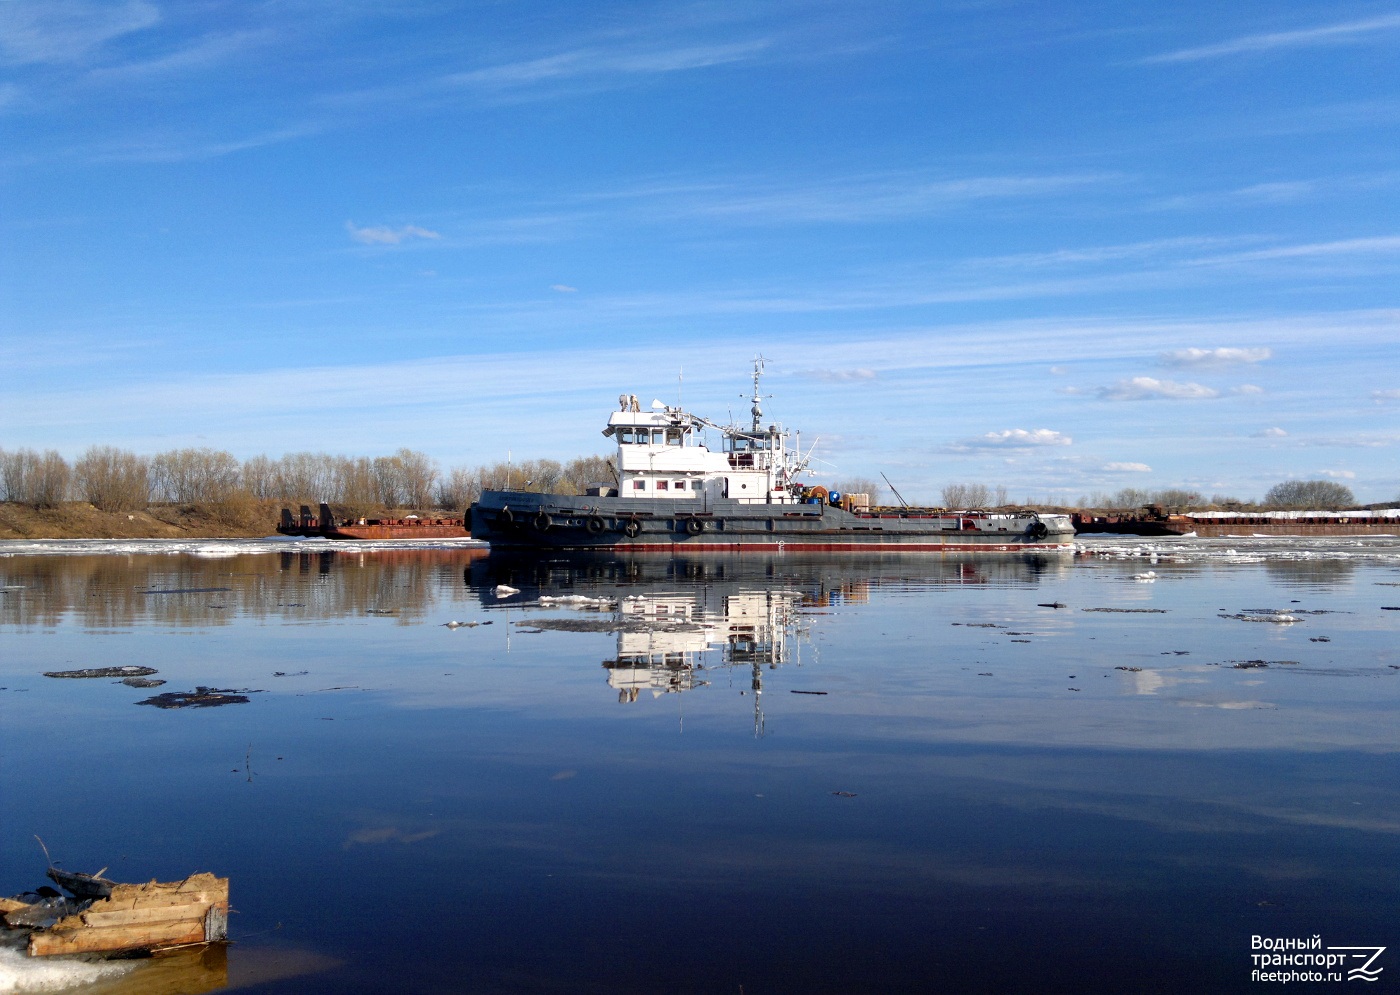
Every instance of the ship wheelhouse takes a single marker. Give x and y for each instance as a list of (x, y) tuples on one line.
[(661, 453)]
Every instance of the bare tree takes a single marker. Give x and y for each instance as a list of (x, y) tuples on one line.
[(418, 473), (259, 476), (966, 496), (585, 471), (859, 485), (190, 476), (112, 479), (458, 488), (1311, 494), (1177, 498)]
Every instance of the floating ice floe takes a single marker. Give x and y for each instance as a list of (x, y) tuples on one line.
[(579, 601), (1145, 578), (505, 590), (218, 548)]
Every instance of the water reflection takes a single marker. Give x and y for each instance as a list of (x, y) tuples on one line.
[(535, 576), (118, 592)]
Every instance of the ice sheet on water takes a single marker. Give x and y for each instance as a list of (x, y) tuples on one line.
[(1243, 549), (22, 973), (221, 547)]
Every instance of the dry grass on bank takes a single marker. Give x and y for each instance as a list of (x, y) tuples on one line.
[(235, 519)]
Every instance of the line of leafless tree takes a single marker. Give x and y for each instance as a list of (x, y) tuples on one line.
[(113, 479)]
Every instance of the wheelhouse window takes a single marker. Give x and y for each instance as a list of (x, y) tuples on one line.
[(673, 437), (679, 485), (661, 485), (625, 436), (639, 485), (697, 485)]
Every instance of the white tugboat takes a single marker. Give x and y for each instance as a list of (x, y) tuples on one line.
[(672, 491)]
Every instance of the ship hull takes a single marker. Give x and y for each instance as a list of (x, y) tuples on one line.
[(517, 520)]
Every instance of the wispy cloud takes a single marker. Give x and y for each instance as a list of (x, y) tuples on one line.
[(600, 63), (1347, 32), (1338, 474), (383, 235), (1213, 357), (1270, 433), (1150, 388), (858, 375), (852, 199), (188, 148), (198, 54), (1018, 438), (1247, 390), (1383, 244), (1383, 396), (1127, 468), (563, 288), (66, 31)]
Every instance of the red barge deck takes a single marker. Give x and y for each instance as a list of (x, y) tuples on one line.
[(328, 526)]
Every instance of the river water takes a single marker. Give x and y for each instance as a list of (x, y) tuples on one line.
[(1108, 770)]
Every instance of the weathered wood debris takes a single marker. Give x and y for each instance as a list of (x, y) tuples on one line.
[(109, 917)]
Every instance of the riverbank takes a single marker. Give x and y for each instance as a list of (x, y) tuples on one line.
[(80, 520)]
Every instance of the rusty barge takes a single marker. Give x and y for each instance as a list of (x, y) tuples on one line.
[(327, 526)]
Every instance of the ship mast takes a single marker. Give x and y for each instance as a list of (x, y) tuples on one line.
[(757, 409)]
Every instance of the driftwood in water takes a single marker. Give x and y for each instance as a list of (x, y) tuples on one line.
[(141, 917)]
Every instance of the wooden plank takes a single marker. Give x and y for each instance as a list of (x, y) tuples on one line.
[(153, 900), (96, 939), (135, 917)]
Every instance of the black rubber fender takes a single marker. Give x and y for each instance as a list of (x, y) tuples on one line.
[(633, 528), (693, 526), (594, 525), (543, 522), (1036, 530)]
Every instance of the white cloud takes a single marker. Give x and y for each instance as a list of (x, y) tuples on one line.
[(1058, 371), (383, 235), (858, 375), (1150, 388), (1338, 474), (1247, 389), (1329, 34), (563, 288), (1214, 357), (1270, 433), (66, 30), (1127, 468), (1018, 438), (1381, 396)]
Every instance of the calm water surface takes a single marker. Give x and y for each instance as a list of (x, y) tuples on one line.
[(756, 774)]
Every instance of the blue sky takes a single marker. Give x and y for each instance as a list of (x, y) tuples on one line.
[(1064, 248)]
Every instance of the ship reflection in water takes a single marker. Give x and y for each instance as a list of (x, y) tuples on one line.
[(707, 614), (679, 638)]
